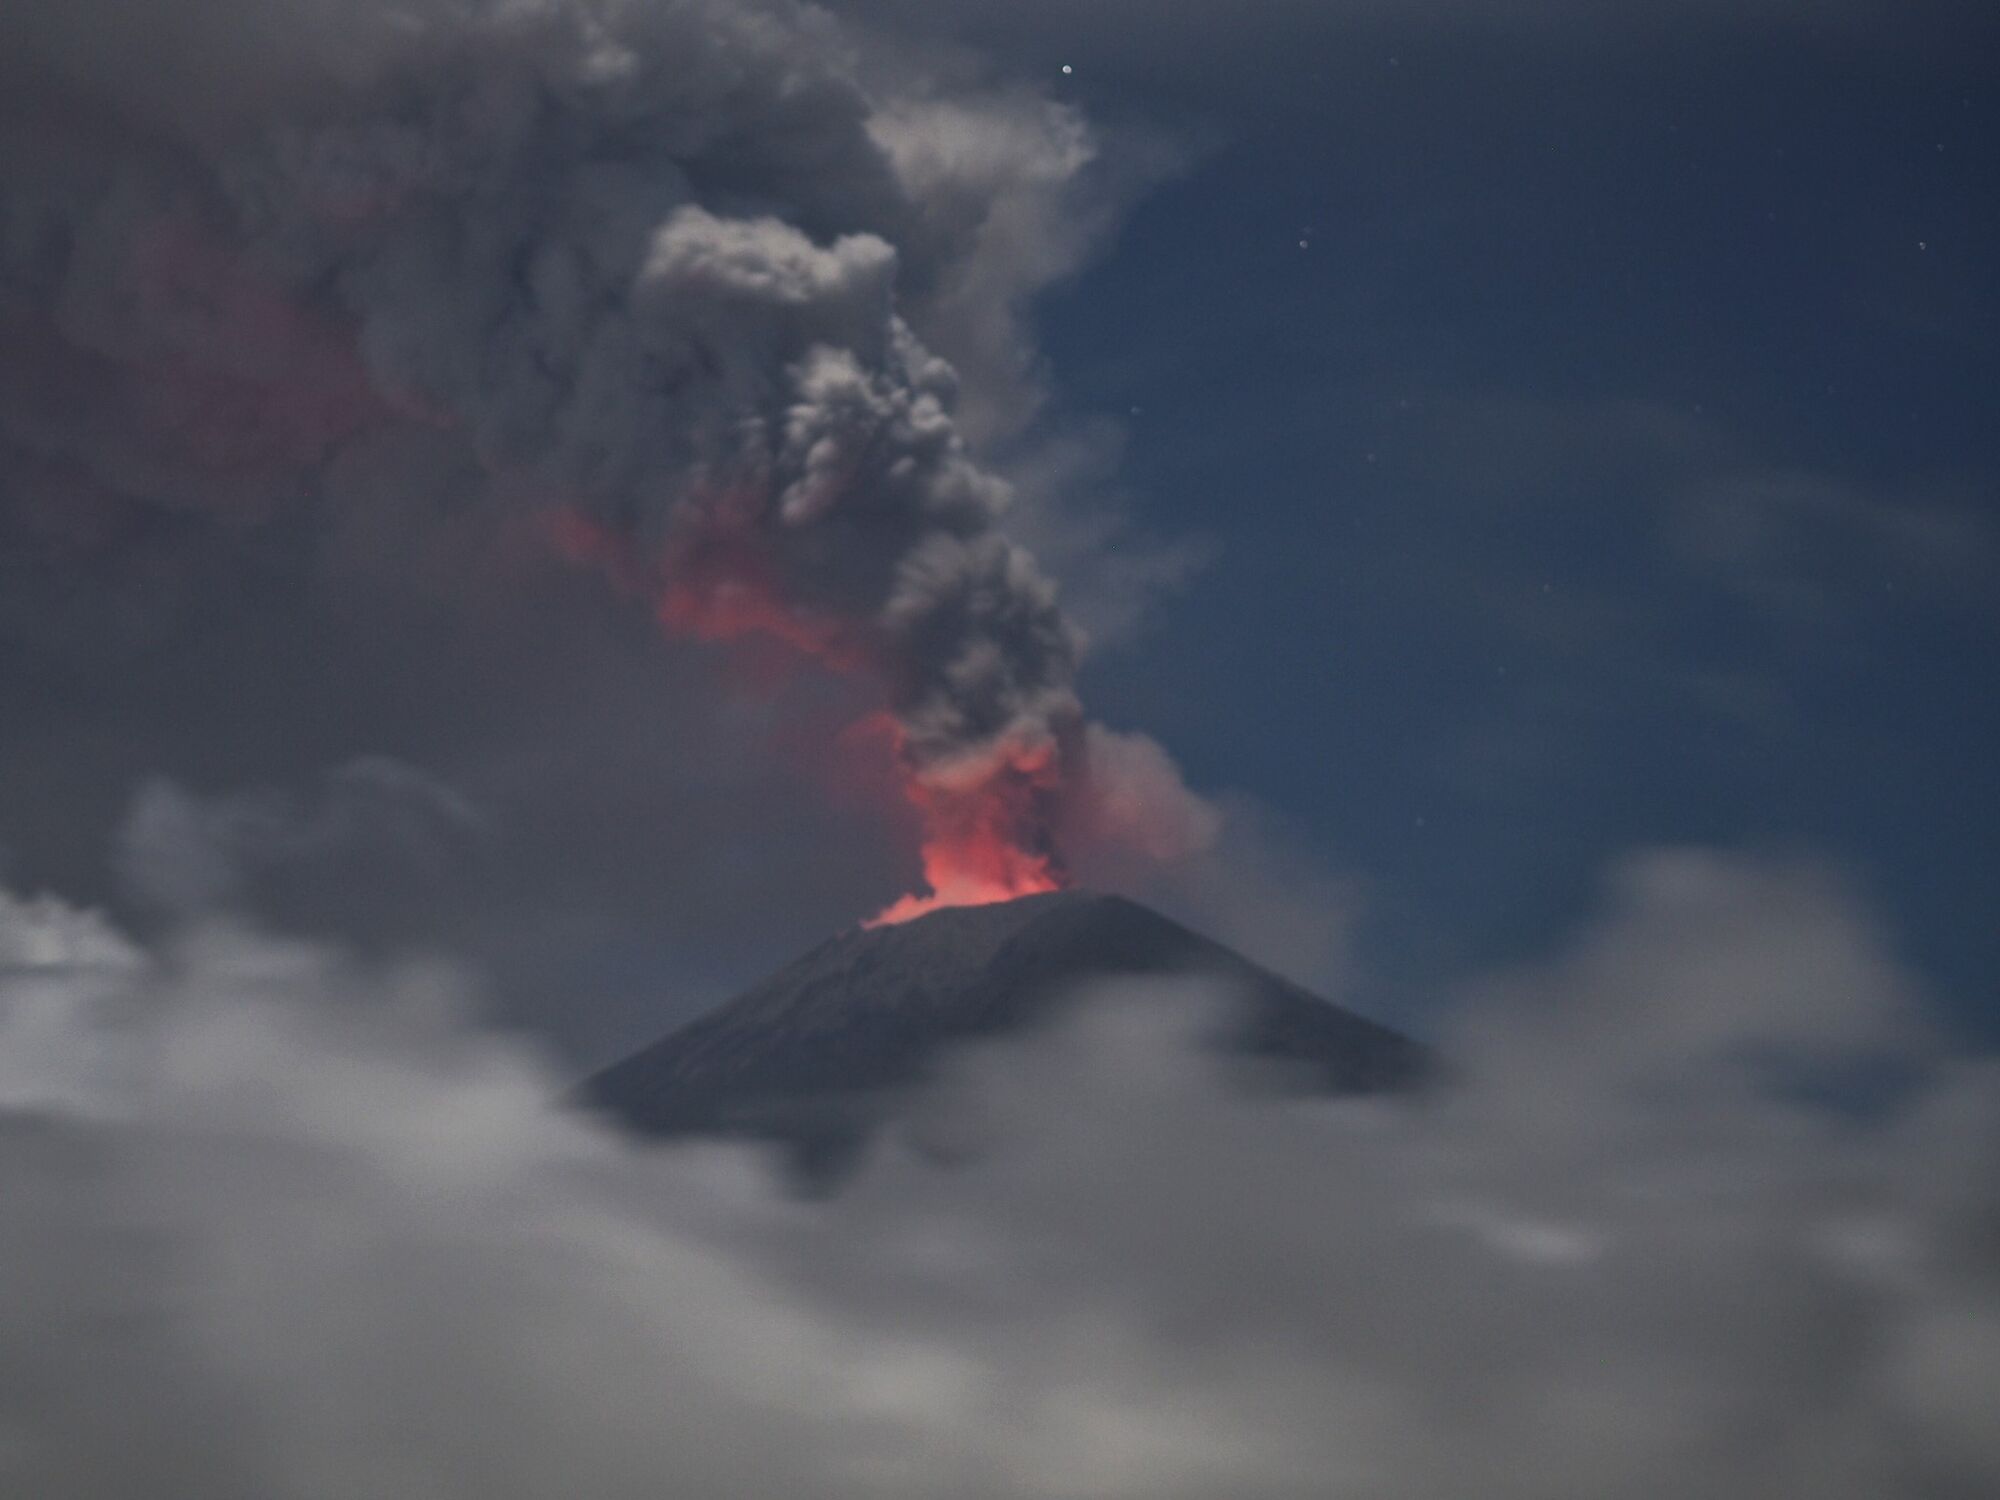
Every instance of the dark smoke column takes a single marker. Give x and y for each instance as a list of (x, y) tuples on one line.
[(640, 260)]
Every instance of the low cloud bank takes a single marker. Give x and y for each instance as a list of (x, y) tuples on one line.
[(281, 1223)]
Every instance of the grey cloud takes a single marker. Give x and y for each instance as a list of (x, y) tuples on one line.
[(405, 828), (360, 1232), (1807, 549), (1741, 952), (1811, 570), (659, 827), (343, 300), (1072, 513), (642, 260), (1225, 864), (1019, 192)]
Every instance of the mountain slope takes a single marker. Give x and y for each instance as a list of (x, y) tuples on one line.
[(817, 1053)]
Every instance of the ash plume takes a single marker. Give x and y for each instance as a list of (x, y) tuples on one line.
[(643, 263)]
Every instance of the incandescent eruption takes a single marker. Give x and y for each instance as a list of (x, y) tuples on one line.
[(650, 270), (988, 810), (987, 837)]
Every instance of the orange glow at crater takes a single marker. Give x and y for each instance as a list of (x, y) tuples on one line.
[(985, 814), (985, 834)]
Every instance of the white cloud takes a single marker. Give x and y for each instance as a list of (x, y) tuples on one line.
[(294, 1230)]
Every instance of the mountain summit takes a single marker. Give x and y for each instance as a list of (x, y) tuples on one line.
[(821, 1051), (818, 1053)]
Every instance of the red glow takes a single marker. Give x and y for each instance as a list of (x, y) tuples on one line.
[(708, 585), (725, 607), (985, 835), (985, 817), (980, 873)]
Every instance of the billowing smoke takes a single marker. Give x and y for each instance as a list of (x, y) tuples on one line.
[(283, 1224), (648, 264)]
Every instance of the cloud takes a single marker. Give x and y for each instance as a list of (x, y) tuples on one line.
[(289, 1225), (1118, 575), (1020, 191), (1704, 959), (642, 264), (1808, 550), (1225, 865), (651, 283), (400, 826), (1737, 571)]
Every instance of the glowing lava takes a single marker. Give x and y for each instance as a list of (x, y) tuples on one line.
[(981, 844), (953, 883), (986, 822), (986, 814)]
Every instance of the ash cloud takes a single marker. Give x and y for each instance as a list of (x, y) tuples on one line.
[(284, 1222), (658, 271), (377, 829), (318, 319)]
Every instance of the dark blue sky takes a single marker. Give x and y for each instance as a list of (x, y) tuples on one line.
[(1612, 464)]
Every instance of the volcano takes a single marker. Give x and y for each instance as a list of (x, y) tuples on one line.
[(826, 1049)]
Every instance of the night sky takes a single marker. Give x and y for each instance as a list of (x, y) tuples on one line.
[(1591, 419)]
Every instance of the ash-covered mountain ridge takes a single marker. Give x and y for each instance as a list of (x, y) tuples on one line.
[(820, 1053)]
